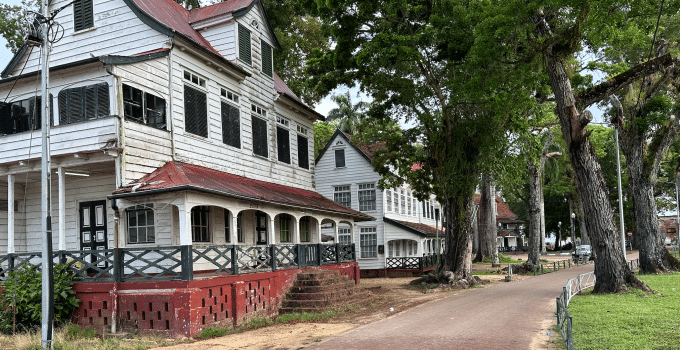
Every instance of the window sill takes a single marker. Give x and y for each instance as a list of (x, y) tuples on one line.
[(261, 157), (86, 30), (342, 167), (197, 137)]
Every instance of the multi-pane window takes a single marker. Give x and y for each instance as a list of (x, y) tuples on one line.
[(396, 202), (343, 196), (408, 200), (244, 51), (231, 125), (200, 228), (259, 128), (415, 207), (366, 197), (304, 229), (368, 242), (267, 59), (424, 209), (397, 250), (83, 17), (303, 151), (339, 158), (143, 107), (403, 203), (195, 79), (390, 249), (344, 236), (389, 200), (20, 116), (431, 209), (83, 103), (140, 224), (195, 105), (284, 228), (302, 130), (229, 95), (283, 140)]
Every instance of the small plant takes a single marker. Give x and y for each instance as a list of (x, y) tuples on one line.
[(21, 298), (75, 332)]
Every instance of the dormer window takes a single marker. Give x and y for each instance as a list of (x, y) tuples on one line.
[(83, 16), (267, 60), (244, 53)]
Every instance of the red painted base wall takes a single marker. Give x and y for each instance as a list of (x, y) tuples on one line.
[(185, 307)]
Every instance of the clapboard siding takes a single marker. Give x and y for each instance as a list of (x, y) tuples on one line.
[(111, 18), (146, 149), (223, 39), (78, 189)]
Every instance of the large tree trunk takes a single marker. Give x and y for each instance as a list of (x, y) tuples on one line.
[(458, 250), (571, 222), (610, 266), (487, 227), (654, 257), (582, 225), (534, 213), (541, 207)]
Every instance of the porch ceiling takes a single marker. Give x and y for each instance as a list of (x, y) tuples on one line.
[(177, 176), (75, 168)]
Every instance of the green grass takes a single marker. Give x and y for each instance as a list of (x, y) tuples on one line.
[(483, 273), (632, 320), (503, 259)]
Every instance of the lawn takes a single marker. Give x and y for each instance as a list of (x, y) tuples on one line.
[(633, 320)]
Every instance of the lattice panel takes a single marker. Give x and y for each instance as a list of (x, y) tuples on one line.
[(147, 312), (94, 310), (216, 304), (328, 254), (286, 256), (257, 295)]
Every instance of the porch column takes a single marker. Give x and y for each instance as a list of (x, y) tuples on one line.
[(185, 243), (272, 233), (10, 214), (62, 209), (318, 231), (336, 231), (421, 247), (296, 230), (234, 228)]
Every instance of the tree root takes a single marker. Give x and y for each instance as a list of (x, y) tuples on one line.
[(447, 279)]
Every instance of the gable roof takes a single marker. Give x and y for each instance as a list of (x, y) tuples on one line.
[(177, 176), (419, 229), (366, 151)]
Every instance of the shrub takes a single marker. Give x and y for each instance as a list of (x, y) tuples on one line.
[(22, 294)]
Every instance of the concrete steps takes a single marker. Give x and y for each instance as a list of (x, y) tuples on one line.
[(319, 290)]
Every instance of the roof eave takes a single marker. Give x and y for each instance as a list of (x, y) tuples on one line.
[(298, 103), (338, 132), (14, 62)]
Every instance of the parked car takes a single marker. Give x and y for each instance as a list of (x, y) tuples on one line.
[(583, 251)]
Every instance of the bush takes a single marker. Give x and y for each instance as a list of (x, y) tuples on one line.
[(22, 294)]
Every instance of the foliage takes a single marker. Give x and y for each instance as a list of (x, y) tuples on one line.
[(347, 115), (633, 320), (22, 295), (12, 21), (323, 131)]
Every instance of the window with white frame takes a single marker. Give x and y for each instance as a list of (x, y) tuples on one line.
[(431, 209), (283, 140), (396, 202), (390, 249), (141, 228), (143, 107), (229, 95), (302, 130), (366, 197), (227, 232), (239, 231), (389, 200), (195, 105), (344, 236), (343, 195), (415, 207), (259, 128), (284, 228), (83, 103), (200, 228), (368, 242), (303, 151), (244, 46), (409, 202), (403, 203), (339, 158), (304, 229), (397, 251), (83, 16)]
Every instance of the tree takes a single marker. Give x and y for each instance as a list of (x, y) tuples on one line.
[(419, 62), (487, 230), (14, 22), (347, 115), (323, 131)]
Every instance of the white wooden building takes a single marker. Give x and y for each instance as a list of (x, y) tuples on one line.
[(170, 128), (404, 227)]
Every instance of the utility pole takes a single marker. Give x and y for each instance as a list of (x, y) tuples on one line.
[(46, 217)]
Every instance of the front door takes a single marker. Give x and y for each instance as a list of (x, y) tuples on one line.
[(93, 226), (261, 227)]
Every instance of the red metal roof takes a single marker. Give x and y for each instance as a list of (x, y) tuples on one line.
[(502, 210), (282, 88), (182, 176)]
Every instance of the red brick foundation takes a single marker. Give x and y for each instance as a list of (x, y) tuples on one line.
[(185, 307)]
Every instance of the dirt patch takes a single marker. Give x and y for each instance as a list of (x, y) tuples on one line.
[(388, 297)]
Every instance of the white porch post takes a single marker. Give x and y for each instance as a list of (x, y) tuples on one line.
[(10, 214), (421, 247), (296, 230), (62, 210), (234, 228), (318, 231), (272, 234), (337, 232), (185, 243)]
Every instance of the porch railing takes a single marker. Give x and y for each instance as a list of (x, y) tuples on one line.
[(413, 262), (183, 262)]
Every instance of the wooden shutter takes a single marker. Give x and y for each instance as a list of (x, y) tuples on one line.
[(231, 125), (75, 104), (259, 136), (90, 102), (195, 111), (102, 100), (63, 107), (244, 44), (303, 152), (283, 144), (266, 58), (339, 158), (83, 16), (6, 122)]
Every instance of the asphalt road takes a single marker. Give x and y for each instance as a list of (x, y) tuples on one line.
[(502, 316)]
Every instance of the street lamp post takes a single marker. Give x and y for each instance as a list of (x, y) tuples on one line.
[(559, 235), (573, 234)]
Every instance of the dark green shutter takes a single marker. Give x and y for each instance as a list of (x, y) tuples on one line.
[(303, 152), (339, 158), (244, 44), (231, 125), (266, 58), (195, 111), (259, 136), (83, 16), (283, 144)]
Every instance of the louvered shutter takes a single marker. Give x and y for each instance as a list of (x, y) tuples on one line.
[(231, 125), (259, 137), (244, 44), (83, 16), (339, 158), (6, 122), (195, 111), (102, 100), (266, 58), (283, 143), (63, 107), (90, 102), (76, 97), (303, 152), (36, 113)]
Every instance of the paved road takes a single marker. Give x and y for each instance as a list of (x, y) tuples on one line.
[(502, 316)]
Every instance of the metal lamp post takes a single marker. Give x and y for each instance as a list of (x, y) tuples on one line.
[(559, 235)]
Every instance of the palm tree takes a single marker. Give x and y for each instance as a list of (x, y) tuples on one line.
[(347, 115)]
